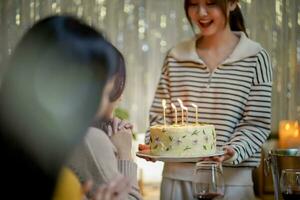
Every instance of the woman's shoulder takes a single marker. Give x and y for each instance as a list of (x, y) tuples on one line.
[(97, 138), (185, 45), (95, 132), (184, 50), (245, 48)]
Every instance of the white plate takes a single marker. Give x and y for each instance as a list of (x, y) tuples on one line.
[(178, 159)]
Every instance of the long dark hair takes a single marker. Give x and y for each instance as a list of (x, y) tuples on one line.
[(120, 78), (50, 93), (118, 88), (236, 19)]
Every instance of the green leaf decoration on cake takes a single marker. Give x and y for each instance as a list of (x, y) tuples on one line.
[(157, 140), (178, 142), (204, 147), (155, 147), (195, 132), (203, 132), (184, 136), (171, 138), (163, 147), (211, 146), (195, 142), (206, 139), (169, 148), (187, 148), (214, 134), (164, 130)]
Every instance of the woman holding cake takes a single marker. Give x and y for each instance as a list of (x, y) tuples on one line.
[(229, 77)]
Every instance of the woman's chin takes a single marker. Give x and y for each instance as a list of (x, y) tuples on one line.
[(207, 33)]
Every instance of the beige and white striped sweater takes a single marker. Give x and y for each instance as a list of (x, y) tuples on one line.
[(235, 97)]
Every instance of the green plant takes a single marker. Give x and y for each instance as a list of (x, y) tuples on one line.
[(123, 114)]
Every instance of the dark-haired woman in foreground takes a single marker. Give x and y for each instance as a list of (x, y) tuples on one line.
[(229, 77), (57, 78)]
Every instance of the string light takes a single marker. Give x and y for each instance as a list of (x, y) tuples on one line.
[(145, 30)]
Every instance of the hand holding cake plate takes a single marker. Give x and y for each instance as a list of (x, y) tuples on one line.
[(144, 151)]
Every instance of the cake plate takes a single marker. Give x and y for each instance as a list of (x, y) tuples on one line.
[(196, 158)]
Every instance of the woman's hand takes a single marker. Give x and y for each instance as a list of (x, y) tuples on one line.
[(125, 124), (229, 153), (117, 189), (118, 124), (145, 148), (122, 140)]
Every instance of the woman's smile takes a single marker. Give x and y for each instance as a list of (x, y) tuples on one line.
[(205, 23)]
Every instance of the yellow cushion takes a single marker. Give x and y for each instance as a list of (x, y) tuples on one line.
[(68, 186)]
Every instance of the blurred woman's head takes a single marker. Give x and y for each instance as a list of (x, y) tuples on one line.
[(118, 87), (212, 16), (53, 86)]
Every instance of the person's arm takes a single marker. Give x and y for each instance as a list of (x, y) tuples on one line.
[(122, 140), (162, 92), (254, 128), (106, 164)]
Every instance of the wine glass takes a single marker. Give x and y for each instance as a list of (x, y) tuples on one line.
[(290, 184), (208, 183)]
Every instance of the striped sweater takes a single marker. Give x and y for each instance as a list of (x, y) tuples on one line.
[(235, 97)]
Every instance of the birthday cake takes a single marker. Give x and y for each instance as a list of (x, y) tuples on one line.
[(182, 140)]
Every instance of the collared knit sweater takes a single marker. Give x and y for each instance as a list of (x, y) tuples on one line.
[(235, 97)]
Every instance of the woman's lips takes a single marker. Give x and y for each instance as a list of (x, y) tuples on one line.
[(206, 23)]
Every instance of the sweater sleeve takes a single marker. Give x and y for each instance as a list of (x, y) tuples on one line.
[(128, 168), (101, 163), (255, 126), (162, 92)]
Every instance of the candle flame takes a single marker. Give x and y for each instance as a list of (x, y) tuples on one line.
[(180, 102), (164, 103), (173, 106), (184, 108), (296, 134), (287, 126)]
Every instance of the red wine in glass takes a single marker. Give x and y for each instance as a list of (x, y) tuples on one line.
[(208, 196), (290, 184), (292, 195)]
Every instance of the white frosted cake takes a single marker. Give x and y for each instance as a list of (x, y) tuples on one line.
[(182, 140)]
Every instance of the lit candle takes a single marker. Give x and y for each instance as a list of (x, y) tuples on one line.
[(187, 114), (196, 108), (164, 105), (174, 107), (182, 108), (289, 136)]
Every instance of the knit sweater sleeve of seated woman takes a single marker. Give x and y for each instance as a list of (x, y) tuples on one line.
[(229, 77)]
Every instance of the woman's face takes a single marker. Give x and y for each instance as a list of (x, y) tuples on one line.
[(109, 109), (208, 16), (105, 98)]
